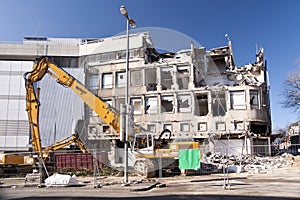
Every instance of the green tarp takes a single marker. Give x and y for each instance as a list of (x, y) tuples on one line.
[(189, 159)]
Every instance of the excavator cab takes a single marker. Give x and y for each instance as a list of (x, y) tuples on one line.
[(143, 141), (147, 141)]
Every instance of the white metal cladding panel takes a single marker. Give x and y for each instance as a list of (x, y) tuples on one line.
[(3, 109), (17, 85), (2, 141), (12, 86), (4, 86), (60, 108), (10, 141), (13, 109), (16, 66), (14, 127), (14, 142)]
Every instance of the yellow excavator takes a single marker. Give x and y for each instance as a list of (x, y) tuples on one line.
[(146, 150), (32, 105), (13, 162)]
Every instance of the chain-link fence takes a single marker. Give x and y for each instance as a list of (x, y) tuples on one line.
[(108, 162)]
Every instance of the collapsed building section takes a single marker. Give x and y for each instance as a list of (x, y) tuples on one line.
[(195, 93)]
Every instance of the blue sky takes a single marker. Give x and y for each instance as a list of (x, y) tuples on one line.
[(273, 25)]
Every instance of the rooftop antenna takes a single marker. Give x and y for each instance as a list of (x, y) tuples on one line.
[(227, 36), (256, 48), (231, 60)]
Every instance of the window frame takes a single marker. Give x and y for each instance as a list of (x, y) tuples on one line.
[(235, 103), (105, 85)]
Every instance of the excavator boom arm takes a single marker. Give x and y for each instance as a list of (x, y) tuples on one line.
[(45, 66), (65, 142)]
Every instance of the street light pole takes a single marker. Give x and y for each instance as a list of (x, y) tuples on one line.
[(127, 99)]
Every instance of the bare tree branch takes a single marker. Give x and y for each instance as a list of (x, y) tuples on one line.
[(291, 91)]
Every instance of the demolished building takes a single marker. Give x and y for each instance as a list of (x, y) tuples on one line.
[(195, 93)]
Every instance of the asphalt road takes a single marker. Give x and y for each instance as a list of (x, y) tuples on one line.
[(283, 184)]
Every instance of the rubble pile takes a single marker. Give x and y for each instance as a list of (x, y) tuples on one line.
[(256, 164), (62, 180)]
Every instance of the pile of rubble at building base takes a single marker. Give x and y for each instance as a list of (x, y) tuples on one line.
[(221, 163)]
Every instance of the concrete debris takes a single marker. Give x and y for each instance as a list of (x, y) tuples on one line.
[(62, 180), (33, 179), (255, 164)]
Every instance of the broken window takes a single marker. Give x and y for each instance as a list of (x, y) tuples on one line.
[(92, 130), (184, 103), (150, 55), (253, 99), (136, 78), (168, 126), (167, 104), (166, 78), (220, 126), (183, 77), (258, 128), (137, 106), (151, 106), (237, 100), (218, 105), (202, 126), (185, 127), (120, 79), (151, 128), (201, 105), (107, 80), (93, 82), (150, 76), (105, 129)]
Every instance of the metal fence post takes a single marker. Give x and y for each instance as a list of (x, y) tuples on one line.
[(96, 169), (160, 166)]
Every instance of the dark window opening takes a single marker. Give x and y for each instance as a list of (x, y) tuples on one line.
[(254, 99), (150, 76), (136, 78), (218, 105), (201, 105), (184, 103), (183, 77), (259, 129), (166, 78), (167, 104), (105, 129)]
